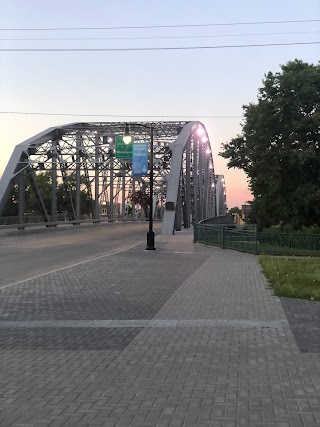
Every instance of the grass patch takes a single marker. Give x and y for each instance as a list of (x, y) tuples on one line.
[(293, 277)]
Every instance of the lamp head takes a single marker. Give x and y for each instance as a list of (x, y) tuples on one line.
[(204, 139), (127, 138), (200, 131)]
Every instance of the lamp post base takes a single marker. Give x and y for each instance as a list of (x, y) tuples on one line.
[(150, 241)]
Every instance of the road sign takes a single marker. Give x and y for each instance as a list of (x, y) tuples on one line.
[(140, 159), (123, 151)]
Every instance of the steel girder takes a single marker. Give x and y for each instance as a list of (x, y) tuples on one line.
[(221, 201), (190, 194), (82, 154)]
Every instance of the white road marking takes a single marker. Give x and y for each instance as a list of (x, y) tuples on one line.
[(68, 266)]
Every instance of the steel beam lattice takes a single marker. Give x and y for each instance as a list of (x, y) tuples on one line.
[(81, 157)]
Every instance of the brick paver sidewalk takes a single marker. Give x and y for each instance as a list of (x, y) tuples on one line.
[(183, 336)]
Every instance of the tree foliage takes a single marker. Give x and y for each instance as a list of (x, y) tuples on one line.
[(235, 210), (11, 207), (142, 198), (279, 148), (44, 182)]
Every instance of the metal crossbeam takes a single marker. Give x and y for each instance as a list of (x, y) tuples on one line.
[(82, 156)]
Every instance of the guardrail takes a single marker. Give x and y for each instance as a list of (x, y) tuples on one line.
[(248, 239), (21, 226)]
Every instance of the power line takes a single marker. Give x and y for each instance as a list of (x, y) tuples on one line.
[(117, 115), (162, 26), (158, 37), (153, 48)]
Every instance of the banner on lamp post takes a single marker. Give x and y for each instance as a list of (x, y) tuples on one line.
[(139, 159)]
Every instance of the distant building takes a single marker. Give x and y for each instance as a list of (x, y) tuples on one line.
[(221, 198), (245, 211)]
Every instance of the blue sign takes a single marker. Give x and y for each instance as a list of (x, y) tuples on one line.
[(139, 159)]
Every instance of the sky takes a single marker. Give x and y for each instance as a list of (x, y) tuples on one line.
[(208, 85)]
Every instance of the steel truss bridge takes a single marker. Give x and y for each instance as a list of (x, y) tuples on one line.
[(82, 156)]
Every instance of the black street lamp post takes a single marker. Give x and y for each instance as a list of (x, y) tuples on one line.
[(150, 234)]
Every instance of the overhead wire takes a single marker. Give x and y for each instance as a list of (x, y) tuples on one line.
[(118, 116), (217, 24), (160, 37), (153, 48)]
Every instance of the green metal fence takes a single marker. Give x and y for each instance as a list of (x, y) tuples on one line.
[(248, 239), (289, 244)]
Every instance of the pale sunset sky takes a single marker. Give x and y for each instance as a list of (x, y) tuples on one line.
[(209, 85)]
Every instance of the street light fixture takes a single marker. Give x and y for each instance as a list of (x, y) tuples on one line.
[(127, 138)]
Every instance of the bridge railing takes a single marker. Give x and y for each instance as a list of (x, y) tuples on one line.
[(227, 236), (37, 221), (248, 239)]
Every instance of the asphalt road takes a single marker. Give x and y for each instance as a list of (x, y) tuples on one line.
[(25, 256)]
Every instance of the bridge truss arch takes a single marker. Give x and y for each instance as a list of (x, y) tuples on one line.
[(81, 157)]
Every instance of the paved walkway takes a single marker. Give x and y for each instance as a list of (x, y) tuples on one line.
[(183, 336)]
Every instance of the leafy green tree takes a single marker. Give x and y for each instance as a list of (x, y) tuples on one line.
[(279, 148), (234, 210), (67, 191), (31, 202), (44, 182), (11, 207)]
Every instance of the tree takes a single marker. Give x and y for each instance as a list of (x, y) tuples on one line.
[(44, 182), (64, 191), (234, 210), (31, 202), (142, 198), (279, 148), (11, 207)]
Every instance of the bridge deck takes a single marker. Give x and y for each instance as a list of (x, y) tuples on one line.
[(185, 335)]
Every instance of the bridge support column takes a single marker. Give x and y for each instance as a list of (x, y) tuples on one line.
[(206, 190), (133, 213), (111, 216), (38, 194), (123, 194), (188, 188), (201, 177), (78, 161), (195, 181), (96, 179), (54, 181), (173, 180), (21, 199), (177, 221)]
